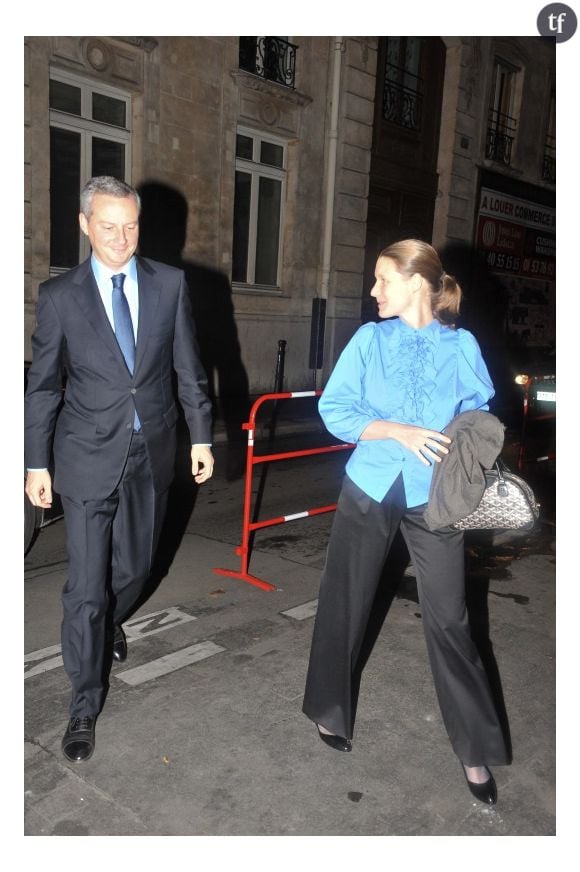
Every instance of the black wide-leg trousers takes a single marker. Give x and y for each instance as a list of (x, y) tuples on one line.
[(111, 544), (362, 533)]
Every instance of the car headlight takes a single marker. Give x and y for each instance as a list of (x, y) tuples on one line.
[(522, 379)]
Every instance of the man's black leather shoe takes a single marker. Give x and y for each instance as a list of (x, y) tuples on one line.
[(119, 644), (339, 743), (486, 792), (78, 742)]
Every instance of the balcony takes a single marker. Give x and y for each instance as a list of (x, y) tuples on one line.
[(501, 131), (269, 57)]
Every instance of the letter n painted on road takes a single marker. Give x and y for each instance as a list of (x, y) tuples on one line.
[(45, 659), (156, 622)]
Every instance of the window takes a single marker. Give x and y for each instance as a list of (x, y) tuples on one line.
[(89, 136), (502, 121), (270, 57), (403, 87), (259, 195), (549, 156)]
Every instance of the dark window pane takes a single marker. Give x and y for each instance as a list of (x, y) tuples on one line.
[(108, 158), (65, 98), (393, 57), (65, 183), (241, 227), (244, 146), (109, 110), (271, 154), (270, 193)]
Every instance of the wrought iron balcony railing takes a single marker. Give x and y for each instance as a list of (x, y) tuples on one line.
[(549, 160), (501, 131), (270, 57), (402, 97)]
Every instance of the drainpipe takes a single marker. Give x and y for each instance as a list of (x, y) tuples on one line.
[(331, 167), (319, 303)]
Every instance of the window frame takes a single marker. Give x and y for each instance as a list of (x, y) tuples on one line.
[(88, 129), (499, 122), (549, 147), (256, 170), (407, 82)]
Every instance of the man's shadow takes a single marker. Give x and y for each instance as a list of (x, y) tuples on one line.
[(162, 237)]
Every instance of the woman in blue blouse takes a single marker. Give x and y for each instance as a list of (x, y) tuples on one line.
[(396, 386)]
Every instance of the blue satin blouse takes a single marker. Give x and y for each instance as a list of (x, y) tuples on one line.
[(394, 372)]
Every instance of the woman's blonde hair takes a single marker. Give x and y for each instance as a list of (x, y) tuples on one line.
[(415, 256)]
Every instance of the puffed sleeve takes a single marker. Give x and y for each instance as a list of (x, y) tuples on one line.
[(474, 385), (341, 405)]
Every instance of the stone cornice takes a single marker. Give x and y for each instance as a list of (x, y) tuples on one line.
[(272, 89), (147, 43)]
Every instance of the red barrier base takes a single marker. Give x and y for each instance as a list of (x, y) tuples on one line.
[(243, 576)]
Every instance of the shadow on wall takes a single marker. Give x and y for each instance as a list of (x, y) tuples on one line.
[(163, 231), (484, 312)]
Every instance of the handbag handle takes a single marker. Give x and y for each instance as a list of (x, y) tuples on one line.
[(502, 487)]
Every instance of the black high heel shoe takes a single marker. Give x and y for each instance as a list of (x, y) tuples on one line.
[(485, 792), (339, 743)]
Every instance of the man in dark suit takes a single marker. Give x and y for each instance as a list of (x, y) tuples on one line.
[(113, 428)]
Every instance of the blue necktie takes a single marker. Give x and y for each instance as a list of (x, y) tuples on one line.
[(124, 328)]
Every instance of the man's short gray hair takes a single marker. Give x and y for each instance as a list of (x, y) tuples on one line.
[(105, 185)]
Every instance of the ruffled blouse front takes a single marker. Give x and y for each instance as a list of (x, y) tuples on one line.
[(412, 372), (392, 371)]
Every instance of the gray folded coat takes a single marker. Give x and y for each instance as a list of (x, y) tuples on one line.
[(458, 481)]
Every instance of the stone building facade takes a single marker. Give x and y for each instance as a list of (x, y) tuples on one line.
[(283, 159)]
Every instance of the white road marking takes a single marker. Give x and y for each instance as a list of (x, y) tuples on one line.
[(47, 659), (300, 613), (169, 663), (137, 628)]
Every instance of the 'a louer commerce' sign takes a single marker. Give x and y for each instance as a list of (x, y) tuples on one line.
[(517, 236)]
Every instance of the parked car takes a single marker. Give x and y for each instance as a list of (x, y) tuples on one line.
[(538, 431), (525, 383), (537, 378)]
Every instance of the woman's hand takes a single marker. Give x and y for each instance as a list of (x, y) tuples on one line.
[(427, 445)]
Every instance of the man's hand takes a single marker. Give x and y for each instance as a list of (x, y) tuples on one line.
[(201, 463), (38, 488)]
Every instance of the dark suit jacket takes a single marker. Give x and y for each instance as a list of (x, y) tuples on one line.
[(92, 430), (458, 481)]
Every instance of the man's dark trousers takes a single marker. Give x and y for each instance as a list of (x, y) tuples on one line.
[(111, 543)]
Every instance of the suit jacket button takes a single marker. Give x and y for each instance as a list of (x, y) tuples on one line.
[(133, 390)]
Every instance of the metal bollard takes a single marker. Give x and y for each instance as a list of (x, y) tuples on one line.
[(279, 379)]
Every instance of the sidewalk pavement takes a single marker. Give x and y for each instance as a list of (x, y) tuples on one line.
[(202, 732)]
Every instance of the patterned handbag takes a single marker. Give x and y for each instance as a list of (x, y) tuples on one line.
[(508, 503)]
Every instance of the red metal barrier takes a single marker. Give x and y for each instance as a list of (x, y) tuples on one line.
[(533, 395), (248, 527)]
